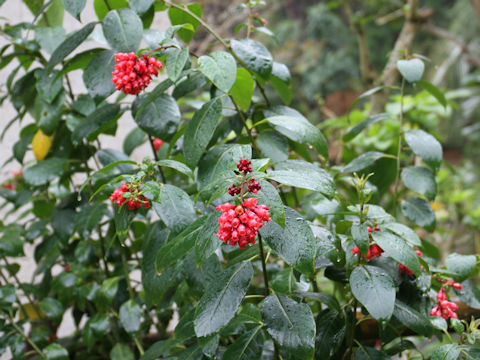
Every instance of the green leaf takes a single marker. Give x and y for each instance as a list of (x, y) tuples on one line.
[(50, 114), (95, 329), (303, 175), (357, 129), (79, 61), (457, 326), (178, 17), (44, 171), (273, 145), (175, 63), (254, 56), (121, 352), (101, 8), (107, 293), (52, 308), (69, 44), (200, 130), (56, 352), (130, 316), (295, 244), (296, 127), (220, 68), (207, 241), (426, 146), (363, 161), (461, 265), (98, 73), (369, 353), (434, 91), (290, 324), (123, 30), (281, 81), (88, 218), (222, 298), (74, 7), (330, 334), (174, 207), (53, 16), (176, 165), (160, 116), (123, 218), (220, 160), (470, 294), (248, 346), (268, 195), (90, 126), (420, 212), (404, 232), (48, 84), (50, 37), (361, 237), (242, 90), (375, 289), (412, 69), (421, 180), (140, 6), (178, 247), (63, 221), (397, 249), (446, 352), (134, 139), (412, 319)]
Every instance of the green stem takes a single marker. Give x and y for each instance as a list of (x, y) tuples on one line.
[(139, 346), (155, 155), (125, 270), (264, 266), (399, 149), (27, 338), (244, 120)]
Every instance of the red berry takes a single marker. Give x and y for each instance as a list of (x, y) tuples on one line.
[(66, 267), (157, 144), (253, 186), (233, 190), (403, 269), (355, 250), (244, 165)]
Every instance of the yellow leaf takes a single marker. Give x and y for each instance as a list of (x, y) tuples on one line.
[(41, 144)]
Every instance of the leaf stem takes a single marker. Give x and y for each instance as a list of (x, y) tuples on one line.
[(399, 149), (264, 266), (26, 337), (155, 155)]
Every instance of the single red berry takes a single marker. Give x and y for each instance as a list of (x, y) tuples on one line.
[(9, 186), (369, 229), (264, 21), (66, 267), (355, 250), (457, 286), (157, 144)]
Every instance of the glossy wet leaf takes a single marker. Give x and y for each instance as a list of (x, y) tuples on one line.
[(461, 265), (375, 289), (174, 207), (56, 352), (207, 241), (179, 17), (175, 63), (95, 122), (363, 161), (200, 130), (412, 319), (281, 81), (419, 211), (296, 127), (123, 30), (121, 352), (220, 68), (254, 55), (361, 237), (273, 145), (426, 146), (44, 171), (446, 352), (304, 175), (222, 298), (52, 308), (88, 218), (330, 333), (421, 180), (290, 324), (74, 7), (130, 316), (404, 232), (246, 347), (398, 249), (295, 243), (97, 75), (269, 196)]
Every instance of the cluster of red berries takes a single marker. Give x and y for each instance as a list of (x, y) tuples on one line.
[(10, 184), (445, 309), (452, 283), (132, 74), (240, 224), (234, 190), (157, 144), (373, 250), (134, 202), (245, 166), (253, 186), (404, 270)]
